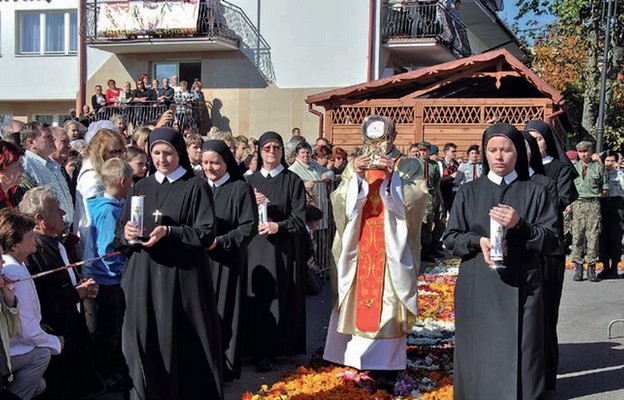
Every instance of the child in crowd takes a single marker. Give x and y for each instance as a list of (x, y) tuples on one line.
[(140, 137), (71, 167), (105, 313), (193, 147), (75, 130), (137, 159)]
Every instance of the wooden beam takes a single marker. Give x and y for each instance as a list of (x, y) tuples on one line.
[(499, 68), (496, 75), (468, 74)]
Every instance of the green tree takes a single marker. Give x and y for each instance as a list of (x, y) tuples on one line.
[(580, 22)]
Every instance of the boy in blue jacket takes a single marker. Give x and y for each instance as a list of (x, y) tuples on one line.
[(105, 313)]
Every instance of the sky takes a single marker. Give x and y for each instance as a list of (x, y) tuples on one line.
[(510, 11)]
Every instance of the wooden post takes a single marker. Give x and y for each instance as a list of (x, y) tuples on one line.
[(418, 121)]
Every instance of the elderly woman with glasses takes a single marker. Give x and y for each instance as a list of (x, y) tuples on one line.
[(104, 145), (276, 273)]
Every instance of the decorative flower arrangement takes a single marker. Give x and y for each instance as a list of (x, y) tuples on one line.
[(599, 265), (327, 382), (429, 356), (436, 297)]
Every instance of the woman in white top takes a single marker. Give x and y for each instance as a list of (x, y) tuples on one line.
[(31, 348), (315, 179), (106, 144), (125, 96)]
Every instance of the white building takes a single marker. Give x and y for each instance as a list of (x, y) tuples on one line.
[(257, 59)]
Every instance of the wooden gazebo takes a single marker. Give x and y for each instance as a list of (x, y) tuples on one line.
[(450, 102)]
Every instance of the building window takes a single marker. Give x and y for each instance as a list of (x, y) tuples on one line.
[(44, 119), (4, 118), (48, 33), (185, 70)]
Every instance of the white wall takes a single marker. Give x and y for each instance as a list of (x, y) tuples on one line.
[(321, 43), (34, 77)]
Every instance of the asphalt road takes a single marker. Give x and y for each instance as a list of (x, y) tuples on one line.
[(591, 365)]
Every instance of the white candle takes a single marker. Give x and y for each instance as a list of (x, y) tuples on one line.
[(497, 239), (263, 218), (136, 214)]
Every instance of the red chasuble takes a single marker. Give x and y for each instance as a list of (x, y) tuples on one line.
[(371, 263)]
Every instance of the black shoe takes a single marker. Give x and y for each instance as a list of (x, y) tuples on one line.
[(265, 365), (613, 271), (604, 274), (426, 258), (385, 380), (436, 254), (117, 383), (578, 273), (591, 273), (609, 273)]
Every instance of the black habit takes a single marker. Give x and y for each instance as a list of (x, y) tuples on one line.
[(170, 334), (499, 350), (562, 172), (72, 373), (276, 320), (237, 224), (553, 268)]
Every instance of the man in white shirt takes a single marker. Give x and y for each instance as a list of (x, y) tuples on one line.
[(41, 169)]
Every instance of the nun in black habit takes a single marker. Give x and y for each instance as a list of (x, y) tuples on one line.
[(171, 328), (556, 164), (276, 287), (237, 224), (536, 167), (559, 168), (498, 311)]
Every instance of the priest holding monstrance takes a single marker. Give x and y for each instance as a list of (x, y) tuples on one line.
[(170, 332), (378, 209)]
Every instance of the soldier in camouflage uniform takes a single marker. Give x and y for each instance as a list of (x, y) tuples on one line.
[(591, 184), (431, 172)]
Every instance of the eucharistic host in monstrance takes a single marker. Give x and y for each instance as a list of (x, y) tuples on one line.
[(378, 209), (170, 339)]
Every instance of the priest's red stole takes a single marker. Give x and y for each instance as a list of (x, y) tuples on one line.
[(371, 258)]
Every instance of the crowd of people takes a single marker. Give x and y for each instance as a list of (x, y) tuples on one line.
[(146, 91), (196, 250), (144, 103)]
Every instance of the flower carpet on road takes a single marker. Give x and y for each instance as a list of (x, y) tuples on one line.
[(570, 266), (429, 353)]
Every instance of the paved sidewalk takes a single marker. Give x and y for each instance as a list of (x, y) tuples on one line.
[(591, 365), (318, 309)]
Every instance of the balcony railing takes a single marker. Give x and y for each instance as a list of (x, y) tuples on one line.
[(413, 20), (218, 20), (194, 117)]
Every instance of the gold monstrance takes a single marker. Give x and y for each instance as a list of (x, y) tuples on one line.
[(376, 130)]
